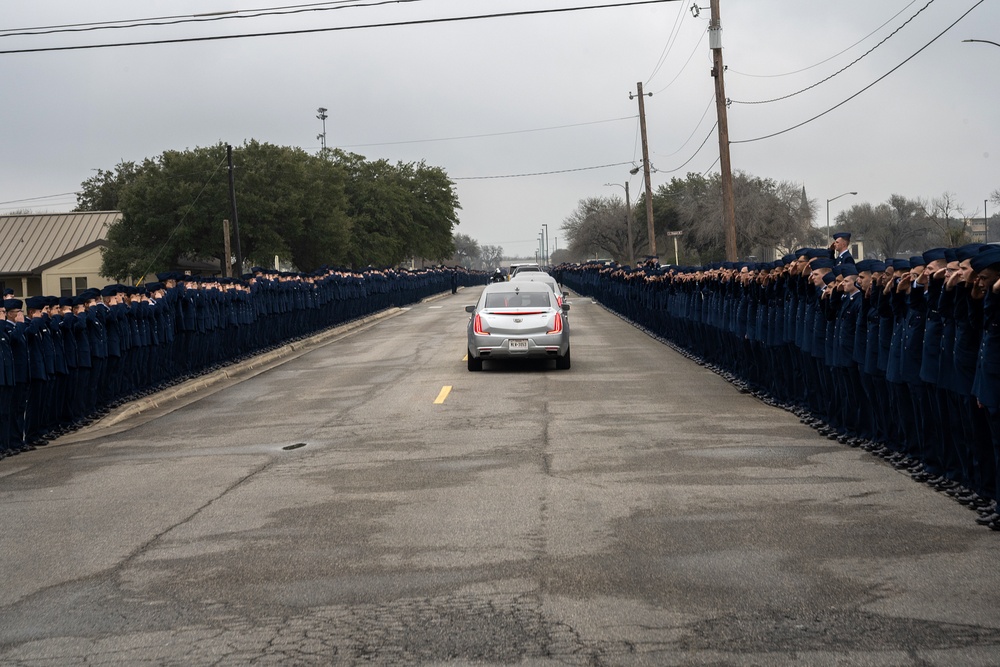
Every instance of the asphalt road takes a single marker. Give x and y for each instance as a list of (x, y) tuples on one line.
[(636, 509)]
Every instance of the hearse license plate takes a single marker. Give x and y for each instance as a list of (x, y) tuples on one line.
[(518, 345)]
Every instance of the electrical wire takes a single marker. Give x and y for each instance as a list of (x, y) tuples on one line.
[(164, 18), (671, 40), (18, 201), (538, 173), (705, 141), (690, 136), (493, 134), (842, 103), (843, 69), (730, 70), (304, 31), (686, 63), (198, 18)]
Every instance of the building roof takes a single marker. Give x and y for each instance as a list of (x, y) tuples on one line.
[(29, 243)]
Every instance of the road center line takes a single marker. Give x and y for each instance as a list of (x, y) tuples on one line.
[(445, 390)]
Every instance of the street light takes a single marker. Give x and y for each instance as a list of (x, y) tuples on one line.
[(828, 209), (546, 243), (628, 220)]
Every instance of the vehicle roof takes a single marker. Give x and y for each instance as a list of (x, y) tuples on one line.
[(518, 285), (532, 276)]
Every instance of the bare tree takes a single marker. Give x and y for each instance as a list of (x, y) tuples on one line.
[(950, 219), (491, 256), (598, 226), (899, 226)]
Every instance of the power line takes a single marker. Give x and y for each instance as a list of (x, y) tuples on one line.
[(18, 201), (539, 173), (493, 134), (707, 137), (842, 103), (197, 18), (671, 40), (305, 31), (843, 69), (686, 63), (823, 62), (690, 136)]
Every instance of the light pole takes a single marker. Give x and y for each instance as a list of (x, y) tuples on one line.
[(675, 234), (828, 209), (628, 221), (322, 116), (546, 243)]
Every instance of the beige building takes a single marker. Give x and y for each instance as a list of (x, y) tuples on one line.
[(53, 254)]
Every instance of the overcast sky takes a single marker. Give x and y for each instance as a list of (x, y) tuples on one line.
[(550, 90)]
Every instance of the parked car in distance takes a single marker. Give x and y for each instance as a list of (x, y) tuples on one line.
[(518, 320)]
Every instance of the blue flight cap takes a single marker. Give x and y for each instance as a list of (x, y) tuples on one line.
[(848, 270), (951, 255), (12, 304), (969, 251), (822, 263), (933, 255), (986, 259), (900, 264), (80, 300), (842, 235), (917, 260), (864, 265), (36, 302), (65, 301), (878, 267), (829, 278)]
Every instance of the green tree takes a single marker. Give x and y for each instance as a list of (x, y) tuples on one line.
[(399, 211), (467, 251), (102, 191), (290, 204)]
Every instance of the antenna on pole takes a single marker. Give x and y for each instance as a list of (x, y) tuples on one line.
[(322, 137)]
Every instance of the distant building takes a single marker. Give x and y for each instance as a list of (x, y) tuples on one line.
[(53, 254)]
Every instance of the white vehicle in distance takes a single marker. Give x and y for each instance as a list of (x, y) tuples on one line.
[(545, 279), (518, 268)]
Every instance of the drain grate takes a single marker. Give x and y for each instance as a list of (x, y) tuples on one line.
[(297, 445)]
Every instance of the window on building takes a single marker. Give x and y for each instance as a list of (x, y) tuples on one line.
[(65, 287), (81, 285)]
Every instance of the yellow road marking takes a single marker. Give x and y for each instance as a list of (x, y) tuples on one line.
[(445, 390)]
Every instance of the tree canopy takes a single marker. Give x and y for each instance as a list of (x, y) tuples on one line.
[(309, 210)]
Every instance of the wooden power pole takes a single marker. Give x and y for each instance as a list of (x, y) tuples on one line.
[(227, 250), (232, 210), (718, 71), (645, 170)]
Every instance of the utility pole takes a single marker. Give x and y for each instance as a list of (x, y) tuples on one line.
[(718, 70), (645, 169), (628, 226), (227, 251), (232, 210)]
